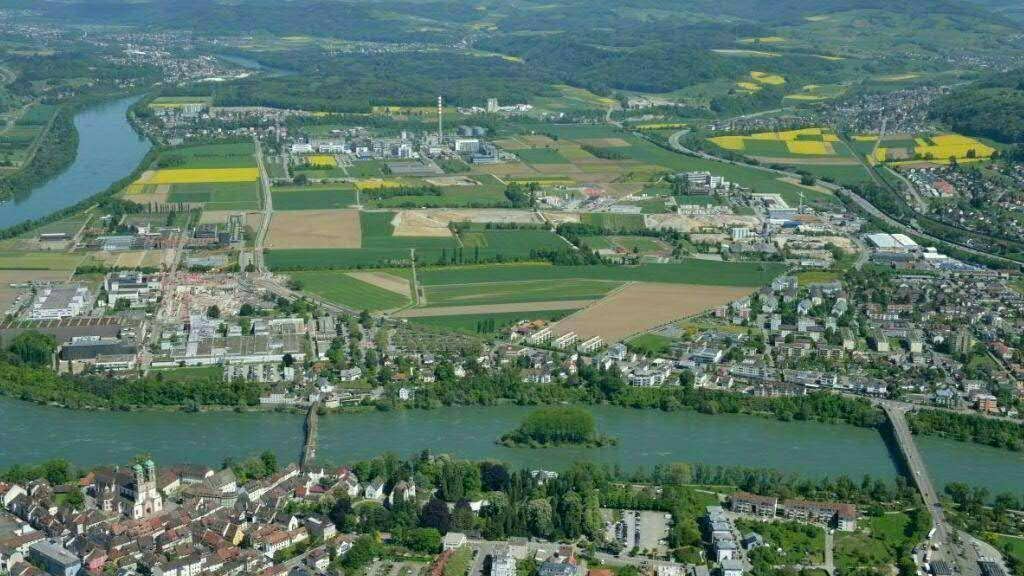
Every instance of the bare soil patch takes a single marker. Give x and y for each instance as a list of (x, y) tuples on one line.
[(384, 280), (331, 229), (493, 308), (693, 223), (435, 222), (641, 306)]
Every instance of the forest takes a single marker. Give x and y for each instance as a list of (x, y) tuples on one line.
[(992, 107)]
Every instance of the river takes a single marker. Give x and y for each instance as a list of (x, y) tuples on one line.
[(31, 433), (108, 150)]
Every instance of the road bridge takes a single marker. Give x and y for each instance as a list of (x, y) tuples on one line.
[(310, 429)]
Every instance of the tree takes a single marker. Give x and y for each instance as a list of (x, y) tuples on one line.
[(246, 310), (213, 312), (463, 519), (75, 498), (540, 517), (362, 552), (33, 348), (269, 460), (427, 540), (435, 515)]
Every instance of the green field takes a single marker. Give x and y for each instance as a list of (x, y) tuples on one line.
[(314, 197), (230, 155), (340, 288), (845, 175), (10, 260), (190, 374), (618, 222), (511, 292), (1011, 546), (705, 272), (639, 244), (489, 193), (470, 322), (541, 156), (218, 196), (37, 115), (597, 242), (511, 243), (367, 169), (649, 344)]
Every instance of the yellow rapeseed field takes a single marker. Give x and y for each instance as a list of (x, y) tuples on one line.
[(660, 126), (880, 154), (954, 145), (766, 78), (809, 97), (203, 175), (763, 40), (808, 147), (865, 138), (729, 142), (749, 86), (376, 183), (321, 160)]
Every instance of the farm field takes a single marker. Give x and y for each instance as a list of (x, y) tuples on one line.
[(211, 156), (641, 306), (306, 229), (347, 290), (513, 292), (12, 260), (501, 320), (477, 190), (481, 309), (313, 197), (705, 272), (202, 175), (935, 149), (617, 222), (218, 196)]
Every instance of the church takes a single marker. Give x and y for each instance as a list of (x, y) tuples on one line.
[(133, 494)]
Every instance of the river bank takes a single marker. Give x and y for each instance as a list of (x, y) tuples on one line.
[(108, 150)]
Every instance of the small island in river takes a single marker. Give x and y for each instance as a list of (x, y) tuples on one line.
[(562, 426)]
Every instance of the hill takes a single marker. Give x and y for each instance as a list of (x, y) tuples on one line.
[(992, 107)]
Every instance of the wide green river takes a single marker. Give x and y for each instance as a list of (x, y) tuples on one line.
[(30, 433)]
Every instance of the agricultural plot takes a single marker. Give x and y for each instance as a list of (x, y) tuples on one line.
[(315, 229), (228, 155), (472, 323), (313, 197), (816, 92), (352, 291), (937, 149), (510, 243), (541, 156), (178, 101), (14, 260), (202, 175), (476, 191), (642, 306), (218, 196), (515, 292), (705, 272), (616, 222)]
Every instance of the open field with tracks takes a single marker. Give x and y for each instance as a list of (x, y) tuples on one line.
[(315, 229), (641, 306)]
